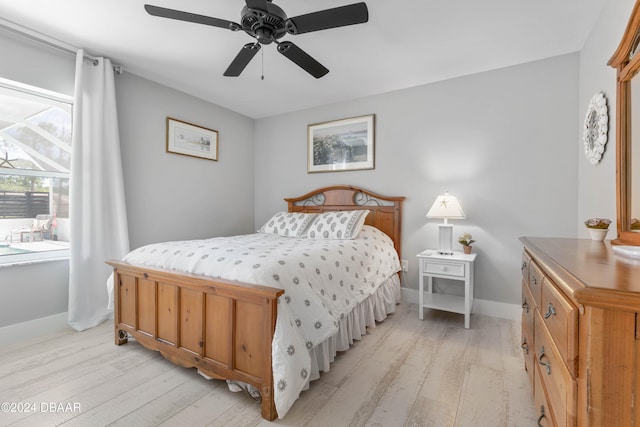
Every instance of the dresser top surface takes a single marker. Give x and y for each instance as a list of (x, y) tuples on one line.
[(593, 264)]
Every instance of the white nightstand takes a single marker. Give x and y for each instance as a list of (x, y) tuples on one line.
[(458, 266)]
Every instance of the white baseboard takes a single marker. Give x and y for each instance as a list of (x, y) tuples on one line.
[(498, 309), (480, 306), (33, 328)]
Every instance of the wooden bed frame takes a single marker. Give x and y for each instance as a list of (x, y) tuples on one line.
[(225, 328)]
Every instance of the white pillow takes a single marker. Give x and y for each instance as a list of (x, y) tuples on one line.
[(337, 225), (289, 224)]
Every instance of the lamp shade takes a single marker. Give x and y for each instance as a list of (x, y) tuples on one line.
[(446, 206)]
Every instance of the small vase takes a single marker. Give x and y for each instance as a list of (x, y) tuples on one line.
[(467, 249), (598, 234)]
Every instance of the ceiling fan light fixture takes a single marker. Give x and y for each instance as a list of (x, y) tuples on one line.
[(264, 35)]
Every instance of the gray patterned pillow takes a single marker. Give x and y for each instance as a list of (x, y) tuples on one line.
[(289, 224), (337, 225)]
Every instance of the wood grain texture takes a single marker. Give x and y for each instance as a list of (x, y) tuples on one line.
[(591, 342), (246, 323), (560, 317), (608, 360), (612, 281), (395, 376), (557, 380)]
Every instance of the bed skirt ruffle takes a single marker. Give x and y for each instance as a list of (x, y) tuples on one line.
[(354, 325)]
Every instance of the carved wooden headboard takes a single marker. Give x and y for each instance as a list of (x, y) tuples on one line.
[(385, 215)]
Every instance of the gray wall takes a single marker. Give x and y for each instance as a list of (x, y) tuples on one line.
[(30, 63), (33, 291), (171, 196), (503, 142)]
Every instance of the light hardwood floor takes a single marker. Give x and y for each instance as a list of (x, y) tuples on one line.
[(405, 372)]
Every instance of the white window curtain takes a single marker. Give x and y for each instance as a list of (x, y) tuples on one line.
[(97, 216)]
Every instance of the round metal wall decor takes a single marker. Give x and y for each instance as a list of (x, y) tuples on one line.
[(596, 124)]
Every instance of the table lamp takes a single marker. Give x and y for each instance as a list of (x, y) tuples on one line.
[(446, 206)]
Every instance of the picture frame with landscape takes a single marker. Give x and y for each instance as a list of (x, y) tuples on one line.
[(191, 140), (341, 145)]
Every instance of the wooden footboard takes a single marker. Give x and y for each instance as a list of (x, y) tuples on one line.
[(221, 327)]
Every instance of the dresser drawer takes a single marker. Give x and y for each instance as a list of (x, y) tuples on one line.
[(528, 307), (528, 354), (527, 343), (535, 282), (543, 410), (560, 317), (527, 346), (524, 267), (443, 268), (561, 389)]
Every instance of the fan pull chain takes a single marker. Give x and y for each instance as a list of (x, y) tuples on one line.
[(262, 53)]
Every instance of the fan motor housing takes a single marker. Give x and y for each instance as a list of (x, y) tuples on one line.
[(265, 26)]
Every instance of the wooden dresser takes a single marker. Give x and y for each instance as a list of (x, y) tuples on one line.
[(581, 332)]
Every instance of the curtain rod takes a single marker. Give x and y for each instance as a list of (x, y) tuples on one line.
[(51, 42)]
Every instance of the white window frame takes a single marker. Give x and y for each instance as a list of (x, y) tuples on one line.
[(41, 94)]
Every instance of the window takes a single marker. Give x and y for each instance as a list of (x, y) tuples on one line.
[(35, 158)]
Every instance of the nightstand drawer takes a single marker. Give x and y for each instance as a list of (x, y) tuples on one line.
[(444, 268), (457, 267)]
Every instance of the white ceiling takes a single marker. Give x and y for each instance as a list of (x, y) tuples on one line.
[(405, 43)]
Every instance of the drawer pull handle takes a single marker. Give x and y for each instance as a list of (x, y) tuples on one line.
[(550, 311), (541, 416), (524, 265), (545, 364), (525, 346), (525, 306), (534, 280)]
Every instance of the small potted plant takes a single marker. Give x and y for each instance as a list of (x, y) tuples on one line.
[(466, 240), (598, 228)]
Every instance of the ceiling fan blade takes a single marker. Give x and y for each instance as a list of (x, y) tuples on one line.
[(302, 59), (242, 59), (257, 4), (190, 17), (356, 13)]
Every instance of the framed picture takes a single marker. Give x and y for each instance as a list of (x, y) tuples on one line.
[(341, 145), (191, 140)]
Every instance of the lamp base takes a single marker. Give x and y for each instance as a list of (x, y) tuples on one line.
[(445, 239)]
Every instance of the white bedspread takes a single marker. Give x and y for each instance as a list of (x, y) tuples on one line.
[(323, 281)]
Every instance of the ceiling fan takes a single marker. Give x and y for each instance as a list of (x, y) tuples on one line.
[(267, 23)]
